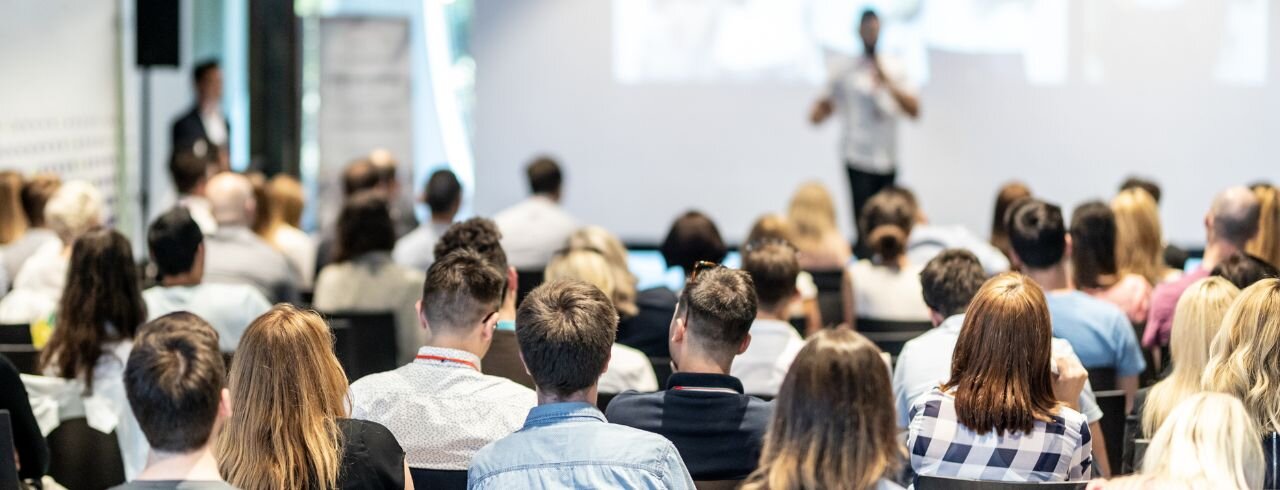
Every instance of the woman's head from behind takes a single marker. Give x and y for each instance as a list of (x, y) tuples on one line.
[(364, 226), (1000, 369), (693, 238), (887, 220), (1266, 244), (13, 222), (825, 438), (1007, 195), (287, 200), (74, 208), (1093, 245), (288, 391), (1244, 360), (812, 212), (1139, 239), (586, 265), (101, 303), (1208, 441), (600, 240)]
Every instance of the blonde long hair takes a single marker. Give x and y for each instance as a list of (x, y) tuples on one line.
[(595, 238), (1139, 238), (589, 266), (825, 438), (812, 214), (13, 222), (1266, 244), (288, 391), (1244, 360), (1196, 321)]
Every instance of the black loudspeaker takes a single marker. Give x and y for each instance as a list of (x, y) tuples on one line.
[(156, 32)]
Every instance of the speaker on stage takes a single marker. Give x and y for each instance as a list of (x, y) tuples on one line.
[(156, 32)]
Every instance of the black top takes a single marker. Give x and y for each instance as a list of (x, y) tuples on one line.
[(718, 430), (647, 331), (189, 128), (371, 457), (33, 452)]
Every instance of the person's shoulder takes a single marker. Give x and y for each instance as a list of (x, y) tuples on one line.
[(659, 297), (642, 440), (511, 390), (366, 431), (377, 381), (626, 405), (230, 292)]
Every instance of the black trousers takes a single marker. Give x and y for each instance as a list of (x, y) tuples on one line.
[(862, 186)]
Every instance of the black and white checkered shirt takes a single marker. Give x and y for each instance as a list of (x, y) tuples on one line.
[(1059, 450)]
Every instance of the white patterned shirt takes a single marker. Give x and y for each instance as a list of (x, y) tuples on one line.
[(441, 408)]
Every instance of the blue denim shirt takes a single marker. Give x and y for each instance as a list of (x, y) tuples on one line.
[(571, 445)]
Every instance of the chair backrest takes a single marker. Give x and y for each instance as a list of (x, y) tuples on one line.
[(1132, 433), (365, 343), (503, 359), (944, 483), (438, 479), (80, 457), (15, 343), (527, 280), (1102, 379), (1271, 458), (8, 463), (1111, 402), (830, 304), (717, 484), (603, 399), (891, 335), (661, 369)]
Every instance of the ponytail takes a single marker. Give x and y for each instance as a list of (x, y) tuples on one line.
[(888, 241)]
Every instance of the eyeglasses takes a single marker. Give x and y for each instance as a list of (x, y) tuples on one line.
[(698, 268)]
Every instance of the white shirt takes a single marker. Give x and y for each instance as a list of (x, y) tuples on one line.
[(774, 344), (925, 363), (373, 283), (18, 251), (927, 241), (300, 250), (37, 287), (442, 411), (869, 112), (229, 308), (533, 231), (201, 212), (629, 369), (215, 126), (887, 293), (416, 250)]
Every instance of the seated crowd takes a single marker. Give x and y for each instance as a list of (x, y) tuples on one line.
[(529, 356)]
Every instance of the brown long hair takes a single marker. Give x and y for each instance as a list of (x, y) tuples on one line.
[(1000, 369), (1266, 244), (101, 303), (887, 220), (1009, 193), (1139, 239), (1093, 246), (288, 391), (13, 223), (831, 438)]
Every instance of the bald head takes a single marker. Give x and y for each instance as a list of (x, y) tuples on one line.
[(1233, 218), (231, 199)]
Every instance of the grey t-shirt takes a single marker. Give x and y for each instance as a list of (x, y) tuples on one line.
[(174, 485)]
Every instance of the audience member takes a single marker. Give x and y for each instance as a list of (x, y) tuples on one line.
[(97, 316), (1008, 194), (775, 228), (190, 174), (1140, 247), (927, 240), (177, 250), (175, 381), (693, 238), (234, 254), (285, 202), (1243, 360), (1098, 331), (1175, 258), (289, 426), (773, 268), (628, 368), (398, 204), (703, 410), (643, 316), (1196, 322), (1243, 270), (1093, 262), (566, 332), (825, 438), (29, 447), (886, 286), (1266, 244), (204, 130), (1208, 441), (443, 195), (363, 277), (359, 176), (537, 227), (1231, 222), (13, 223), (74, 208), (997, 417), (35, 193), (812, 214)]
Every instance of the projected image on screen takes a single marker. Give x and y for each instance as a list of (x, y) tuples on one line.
[(718, 41)]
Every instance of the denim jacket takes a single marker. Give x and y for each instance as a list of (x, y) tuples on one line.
[(571, 445)]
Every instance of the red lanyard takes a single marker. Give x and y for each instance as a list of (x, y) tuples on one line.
[(464, 362)]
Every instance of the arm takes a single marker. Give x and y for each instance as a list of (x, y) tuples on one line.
[(821, 110), (812, 317), (408, 478), (1130, 386), (907, 101), (675, 473)]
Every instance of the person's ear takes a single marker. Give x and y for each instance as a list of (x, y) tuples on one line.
[(1208, 222), (1015, 260), (490, 325), (607, 359), (422, 316), (678, 330), (746, 342), (224, 404), (525, 364)]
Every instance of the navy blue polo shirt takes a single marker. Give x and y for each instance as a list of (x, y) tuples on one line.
[(717, 429)]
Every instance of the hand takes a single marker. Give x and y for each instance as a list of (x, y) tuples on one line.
[(821, 111), (1070, 380)]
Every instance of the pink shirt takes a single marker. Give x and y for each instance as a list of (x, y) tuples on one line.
[(1132, 294), (1163, 301)]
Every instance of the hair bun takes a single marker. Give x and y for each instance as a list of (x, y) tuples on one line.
[(888, 241)]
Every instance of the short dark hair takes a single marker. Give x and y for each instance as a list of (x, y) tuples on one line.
[(1135, 182), (1037, 233), (360, 175), (479, 234), (950, 280), (773, 268), (1093, 244), (868, 14), (442, 191), (544, 176), (693, 238), (174, 238), (188, 169), (721, 306), (887, 220), (364, 226), (460, 290), (566, 330), (203, 69), (174, 380), (1243, 270), (36, 192)]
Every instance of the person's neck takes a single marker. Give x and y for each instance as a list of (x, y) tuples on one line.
[(587, 396), (185, 279), (550, 196), (198, 465), (441, 340), (442, 219), (776, 314), (1052, 278), (701, 363), (1216, 252)]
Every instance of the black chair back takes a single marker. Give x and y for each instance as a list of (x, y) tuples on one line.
[(944, 483), (1102, 379), (365, 343), (891, 335), (661, 369), (1271, 458), (830, 304), (8, 461), (15, 343), (503, 359), (81, 458), (1111, 403), (438, 479), (526, 281), (603, 399), (1132, 433)]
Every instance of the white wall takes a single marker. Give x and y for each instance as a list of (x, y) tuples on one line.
[(638, 155)]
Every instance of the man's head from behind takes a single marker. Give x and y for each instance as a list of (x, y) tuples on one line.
[(482, 236), (869, 30), (360, 175), (231, 199), (773, 268), (566, 331), (190, 172), (544, 177), (175, 381), (1038, 234), (460, 297), (714, 316), (443, 194), (949, 281), (1233, 217), (175, 242), (207, 77)]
